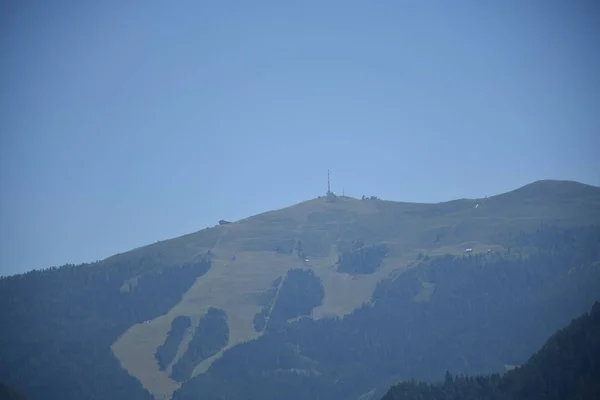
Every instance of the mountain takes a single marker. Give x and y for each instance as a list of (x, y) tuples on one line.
[(566, 367), (334, 297)]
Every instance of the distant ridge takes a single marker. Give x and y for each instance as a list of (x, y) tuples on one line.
[(551, 187)]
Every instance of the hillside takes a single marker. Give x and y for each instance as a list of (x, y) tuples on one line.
[(204, 313), (566, 367)]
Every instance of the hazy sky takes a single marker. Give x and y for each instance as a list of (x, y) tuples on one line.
[(126, 122)]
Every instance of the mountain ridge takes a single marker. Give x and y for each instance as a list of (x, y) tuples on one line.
[(323, 227), (537, 186), (244, 271)]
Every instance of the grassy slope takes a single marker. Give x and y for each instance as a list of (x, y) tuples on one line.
[(407, 228)]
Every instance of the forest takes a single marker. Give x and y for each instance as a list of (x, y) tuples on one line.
[(58, 325), (266, 300), (300, 292), (211, 335), (567, 367), (166, 352), (361, 259)]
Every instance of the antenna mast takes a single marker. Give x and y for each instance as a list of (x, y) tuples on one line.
[(328, 183)]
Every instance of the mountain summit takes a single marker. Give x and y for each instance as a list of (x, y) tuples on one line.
[(255, 300)]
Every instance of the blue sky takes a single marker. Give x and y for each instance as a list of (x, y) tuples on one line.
[(127, 122)]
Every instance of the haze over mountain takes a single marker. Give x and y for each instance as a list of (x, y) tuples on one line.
[(123, 124), (334, 297), (187, 145)]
